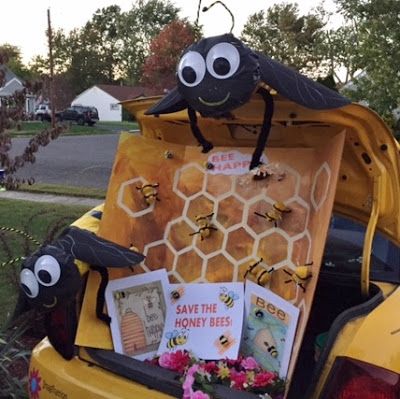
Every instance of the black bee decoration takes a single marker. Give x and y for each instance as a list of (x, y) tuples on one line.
[(52, 277), (218, 74)]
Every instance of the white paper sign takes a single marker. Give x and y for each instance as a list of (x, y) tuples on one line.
[(231, 162), (270, 327), (137, 307), (206, 319)]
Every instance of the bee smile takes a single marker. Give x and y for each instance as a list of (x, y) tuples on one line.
[(52, 304), (216, 103)]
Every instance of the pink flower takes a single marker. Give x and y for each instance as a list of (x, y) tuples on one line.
[(238, 379), (199, 395), (176, 361), (189, 380), (188, 387), (210, 367), (249, 363), (263, 379)]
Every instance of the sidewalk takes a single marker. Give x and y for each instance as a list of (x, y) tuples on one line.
[(53, 199)]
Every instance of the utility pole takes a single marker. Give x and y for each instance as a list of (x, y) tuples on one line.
[(50, 39)]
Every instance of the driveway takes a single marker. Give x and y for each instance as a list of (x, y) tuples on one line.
[(84, 161)]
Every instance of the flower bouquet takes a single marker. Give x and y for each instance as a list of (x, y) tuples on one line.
[(200, 378)]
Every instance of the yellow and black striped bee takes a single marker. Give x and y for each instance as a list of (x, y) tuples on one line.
[(119, 295), (300, 276), (258, 273), (150, 194), (224, 342), (176, 338), (177, 294), (276, 213), (205, 227), (264, 339), (228, 298)]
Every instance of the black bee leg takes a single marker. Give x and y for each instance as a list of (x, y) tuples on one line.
[(265, 129), (100, 300), (207, 146), (261, 215), (302, 287)]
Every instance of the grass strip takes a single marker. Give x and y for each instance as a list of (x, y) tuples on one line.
[(71, 191)]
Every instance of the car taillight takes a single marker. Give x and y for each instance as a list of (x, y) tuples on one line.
[(354, 379)]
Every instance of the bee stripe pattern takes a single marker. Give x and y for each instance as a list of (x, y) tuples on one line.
[(20, 232), (12, 261)]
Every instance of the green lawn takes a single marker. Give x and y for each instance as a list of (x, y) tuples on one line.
[(72, 191), (38, 220), (31, 128)]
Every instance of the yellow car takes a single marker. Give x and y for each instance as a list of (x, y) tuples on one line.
[(351, 347)]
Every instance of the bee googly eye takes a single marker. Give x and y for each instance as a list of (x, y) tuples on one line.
[(258, 313), (191, 69), (29, 283), (223, 60), (47, 270)]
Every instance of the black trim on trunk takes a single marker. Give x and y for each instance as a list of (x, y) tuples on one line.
[(155, 377), (340, 321)]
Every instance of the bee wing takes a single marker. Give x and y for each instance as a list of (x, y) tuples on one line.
[(172, 102), (169, 335), (97, 251), (298, 88), (61, 325)]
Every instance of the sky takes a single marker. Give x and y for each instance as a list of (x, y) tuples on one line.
[(23, 23)]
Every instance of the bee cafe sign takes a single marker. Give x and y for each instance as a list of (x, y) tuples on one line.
[(205, 319)]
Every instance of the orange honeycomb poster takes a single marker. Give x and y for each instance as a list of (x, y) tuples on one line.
[(159, 191)]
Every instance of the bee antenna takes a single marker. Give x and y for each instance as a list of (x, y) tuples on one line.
[(223, 5)]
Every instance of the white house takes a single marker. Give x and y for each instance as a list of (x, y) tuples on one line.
[(106, 99), (11, 84)]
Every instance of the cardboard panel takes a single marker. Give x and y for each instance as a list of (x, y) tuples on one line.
[(304, 179)]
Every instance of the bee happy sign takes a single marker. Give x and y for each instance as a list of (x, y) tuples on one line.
[(205, 319)]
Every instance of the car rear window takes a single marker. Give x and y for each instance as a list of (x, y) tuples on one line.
[(344, 246)]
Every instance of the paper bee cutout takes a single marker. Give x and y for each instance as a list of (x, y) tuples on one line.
[(218, 74)]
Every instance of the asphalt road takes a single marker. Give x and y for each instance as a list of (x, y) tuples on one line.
[(84, 161)]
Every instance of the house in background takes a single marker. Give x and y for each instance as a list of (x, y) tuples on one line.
[(106, 99), (11, 84)]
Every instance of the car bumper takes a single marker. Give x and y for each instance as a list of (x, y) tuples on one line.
[(51, 376)]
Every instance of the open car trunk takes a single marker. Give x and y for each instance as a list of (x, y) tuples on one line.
[(313, 156)]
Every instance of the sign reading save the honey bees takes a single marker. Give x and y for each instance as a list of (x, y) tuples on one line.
[(205, 319)]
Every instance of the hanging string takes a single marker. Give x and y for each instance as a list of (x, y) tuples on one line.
[(12, 261), (20, 232), (198, 14), (226, 8)]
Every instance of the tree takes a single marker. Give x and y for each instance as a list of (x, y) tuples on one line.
[(138, 27), (378, 28), (11, 113), (13, 59), (342, 53), (160, 66), (109, 48), (285, 35)]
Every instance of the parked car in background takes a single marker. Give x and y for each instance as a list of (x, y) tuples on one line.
[(43, 112), (79, 114)]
